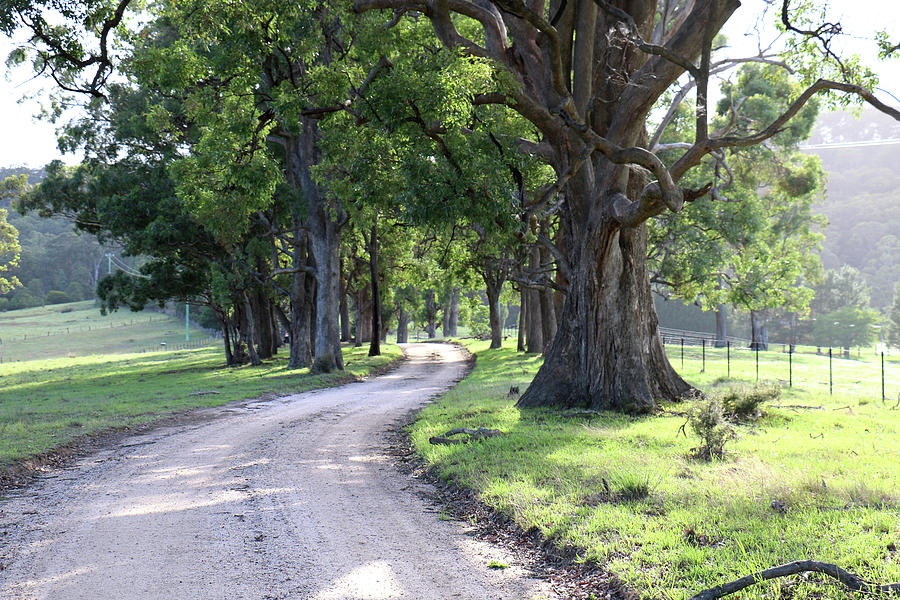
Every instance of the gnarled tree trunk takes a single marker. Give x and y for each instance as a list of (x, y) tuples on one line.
[(607, 353)]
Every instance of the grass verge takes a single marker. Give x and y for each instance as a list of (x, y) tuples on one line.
[(798, 483), (49, 404)]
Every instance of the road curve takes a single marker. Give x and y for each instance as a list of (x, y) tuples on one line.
[(291, 498)]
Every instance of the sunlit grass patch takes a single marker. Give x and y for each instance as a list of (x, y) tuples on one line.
[(806, 476)]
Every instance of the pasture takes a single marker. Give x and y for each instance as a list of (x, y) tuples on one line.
[(814, 476)]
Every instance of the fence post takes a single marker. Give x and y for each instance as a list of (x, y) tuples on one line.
[(883, 397), (703, 369), (791, 367), (682, 353), (728, 357), (829, 373)]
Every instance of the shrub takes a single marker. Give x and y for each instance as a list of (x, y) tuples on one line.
[(56, 297), (744, 403), (707, 420)]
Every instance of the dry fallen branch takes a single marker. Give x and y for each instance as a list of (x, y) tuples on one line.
[(580, 413), (206, 393), (849, 580), (473, 436)]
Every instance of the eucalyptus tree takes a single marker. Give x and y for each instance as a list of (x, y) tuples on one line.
[(752, 244), (587, 74)]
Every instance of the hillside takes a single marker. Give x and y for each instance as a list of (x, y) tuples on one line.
[(862, 202), (54, 256)]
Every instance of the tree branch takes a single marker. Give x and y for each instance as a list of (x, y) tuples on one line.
[(849, 580)]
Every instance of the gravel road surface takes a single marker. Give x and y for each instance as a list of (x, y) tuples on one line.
[(291, 498)]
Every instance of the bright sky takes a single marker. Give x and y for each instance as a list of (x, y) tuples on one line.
[(30, 142)]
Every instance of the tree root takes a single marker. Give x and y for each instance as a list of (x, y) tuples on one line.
[(849, 580), (474, 436)]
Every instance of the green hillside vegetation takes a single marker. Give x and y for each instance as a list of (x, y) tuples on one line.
[(862, 202), (811, 476), (78, 329), (54, 257), (45, 404)]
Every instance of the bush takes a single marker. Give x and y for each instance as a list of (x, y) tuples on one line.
[(479, 322), (744, 403), (56, 297), (707, 420)]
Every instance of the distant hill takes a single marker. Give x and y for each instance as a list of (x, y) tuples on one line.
[(54, 256), (862, 202)]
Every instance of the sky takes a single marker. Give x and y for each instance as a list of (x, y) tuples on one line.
[(27, 141)]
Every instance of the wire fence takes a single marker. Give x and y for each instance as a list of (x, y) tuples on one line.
[(76, 329), (872, 373), (198, 343), (859, 372)]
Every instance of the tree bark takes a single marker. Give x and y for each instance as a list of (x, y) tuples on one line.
[(759, 338), (299, 336), (721, 327), (607, 354), (324, 222), (345, 310), (357, 331), (523, 320), (249, 334), (402, 325), (535, 330), (430, 314), (492, 291), (375, 344)]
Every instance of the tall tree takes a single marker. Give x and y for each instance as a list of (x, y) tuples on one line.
[(587, 74)]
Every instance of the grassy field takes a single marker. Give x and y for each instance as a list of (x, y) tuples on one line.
[(79, 329), (48, 403), (817, 483)]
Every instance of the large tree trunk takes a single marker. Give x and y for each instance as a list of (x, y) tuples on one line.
[(607, 353), (523, 319), (248, 332), (402, 325), (375, 344), (548, 310), (493, 296), (430, 314), (299, 336), (325, 245), (759, 337), (535, 330), (721, 327), (357, 330), (345, 311), (324, 222)]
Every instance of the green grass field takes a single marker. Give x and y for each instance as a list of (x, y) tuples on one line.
[(79, 329), (817, 483), (84, 382)]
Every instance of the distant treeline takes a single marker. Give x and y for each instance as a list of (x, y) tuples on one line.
[(56, 264)]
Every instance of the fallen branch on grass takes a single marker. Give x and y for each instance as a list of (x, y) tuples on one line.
[(580, 413), (849, 580), (205, 393), (474, 435)]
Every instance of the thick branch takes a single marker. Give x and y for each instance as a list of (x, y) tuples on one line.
[(699, 150), (801, 566)]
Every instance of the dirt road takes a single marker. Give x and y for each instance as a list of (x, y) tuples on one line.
[(292, 498)]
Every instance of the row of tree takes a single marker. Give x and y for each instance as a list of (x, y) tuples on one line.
[(283, 162)]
